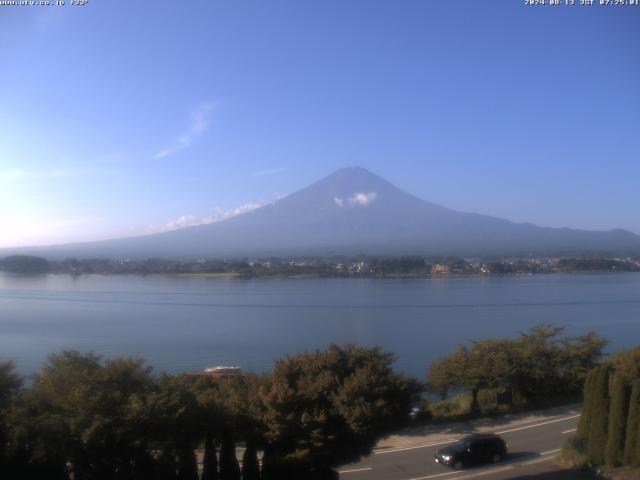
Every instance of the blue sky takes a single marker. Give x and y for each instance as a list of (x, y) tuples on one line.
[(123, 118)]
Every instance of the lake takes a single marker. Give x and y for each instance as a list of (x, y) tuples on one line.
[(187, 324)]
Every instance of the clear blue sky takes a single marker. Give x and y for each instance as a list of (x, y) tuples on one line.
[(125, 117)]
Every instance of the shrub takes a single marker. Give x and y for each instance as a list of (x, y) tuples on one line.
[(573, 454)]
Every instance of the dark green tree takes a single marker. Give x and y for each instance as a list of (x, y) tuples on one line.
[(627, 364), (250, 465), (439, 377), (229, 468), (166, 466), (10, 384), (187, 464), (325, 408), (617, 421), (632, 441), (538, 366), (269, 470), (24, 264), (584, 426), (577, 357), (210, 460), (597, 438), (83, 403)]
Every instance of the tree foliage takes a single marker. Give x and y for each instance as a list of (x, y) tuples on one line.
[(538, 365), (584, 425), (24, 264), (597, 439), (250, 465), (632, 440), (210, 460), (326, 408), (229, 468), (610, 421), (617, 421)]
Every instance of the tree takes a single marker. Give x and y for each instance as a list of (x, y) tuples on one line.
[(597, 439), (10, 384), (269, 469), (442, 377), (627, 364), (329, 407), (166, 467), (79, 411), (632, 441), (187, 464), (617, 421), (229, 468), (584, 426), (250, 465), (210, 460), (578, 356), (538, 366), (24, 264)]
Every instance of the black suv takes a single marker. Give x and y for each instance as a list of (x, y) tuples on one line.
[(473, 450)]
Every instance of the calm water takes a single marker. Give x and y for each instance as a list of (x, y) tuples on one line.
[(182, 324)]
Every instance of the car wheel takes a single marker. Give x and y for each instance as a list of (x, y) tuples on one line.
[(496, 458), (457, 465)]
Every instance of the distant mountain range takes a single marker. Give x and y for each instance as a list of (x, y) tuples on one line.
[(352, 212)]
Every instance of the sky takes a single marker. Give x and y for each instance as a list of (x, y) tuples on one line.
[(123, 118)]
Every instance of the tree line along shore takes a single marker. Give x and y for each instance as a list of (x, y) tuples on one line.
[(88, 418), (364, 266)]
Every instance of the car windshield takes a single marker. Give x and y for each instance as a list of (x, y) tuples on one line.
[(460, 444)]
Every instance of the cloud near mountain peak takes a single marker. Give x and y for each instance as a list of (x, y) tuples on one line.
[(358, 199)]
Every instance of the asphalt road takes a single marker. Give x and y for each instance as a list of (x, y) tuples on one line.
[(531, 451)]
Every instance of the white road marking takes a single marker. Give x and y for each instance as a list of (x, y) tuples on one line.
[(355, 470), (444, 442), (504, 467), (402, 449), (549, 452), (437, 475), (538, 460), (482, 473), (538, 424), (569, 431)]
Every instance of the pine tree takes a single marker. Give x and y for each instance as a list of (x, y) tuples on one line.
[(617, 422), (632, 443), (250, 466), (229, 468), (587, 406), (210, 461), (597, 438)]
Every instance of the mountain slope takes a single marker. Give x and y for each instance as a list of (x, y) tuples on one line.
[(354, 211)]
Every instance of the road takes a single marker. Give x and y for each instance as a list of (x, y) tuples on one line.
[(532, 447)]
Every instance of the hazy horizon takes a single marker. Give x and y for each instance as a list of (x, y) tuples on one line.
[(149, 117)]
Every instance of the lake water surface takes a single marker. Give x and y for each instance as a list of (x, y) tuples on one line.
[(182, 324)]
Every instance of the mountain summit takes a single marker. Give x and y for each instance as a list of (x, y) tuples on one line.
[(353, 211)]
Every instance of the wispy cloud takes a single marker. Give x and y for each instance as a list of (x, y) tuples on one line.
[(266, 172), (191, 220), (199, 123), (358, 199)]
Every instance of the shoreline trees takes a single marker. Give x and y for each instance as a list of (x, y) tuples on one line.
[(94, 419), (539, 366)]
